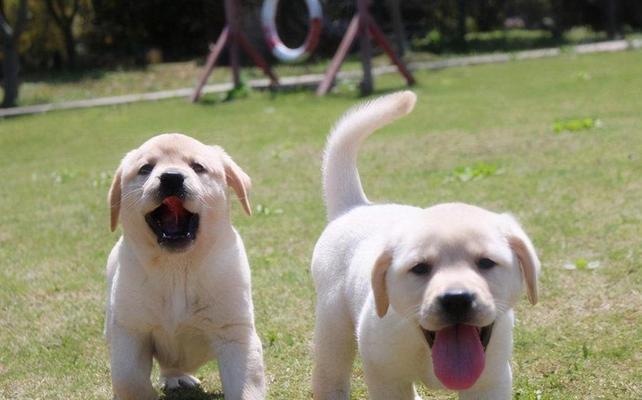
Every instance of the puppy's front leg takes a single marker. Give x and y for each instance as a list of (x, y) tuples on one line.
[(131, 365), (240, 359), (499, 389), (387, 384), (496, 393)]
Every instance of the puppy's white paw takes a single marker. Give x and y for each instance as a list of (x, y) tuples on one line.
[(174, 382)]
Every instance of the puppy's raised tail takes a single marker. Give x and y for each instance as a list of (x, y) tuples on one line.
[(342, 188)]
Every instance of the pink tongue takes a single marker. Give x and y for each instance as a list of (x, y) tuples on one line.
[(175, 212), (458, 356)]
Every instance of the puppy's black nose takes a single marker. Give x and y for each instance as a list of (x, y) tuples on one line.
[(171, 184), (457, 303)]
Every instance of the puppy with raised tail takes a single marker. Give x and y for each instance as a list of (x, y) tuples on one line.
[(178, 278), (423, 294)]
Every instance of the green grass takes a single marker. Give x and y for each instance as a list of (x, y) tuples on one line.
[(577, 194), (86, 84)]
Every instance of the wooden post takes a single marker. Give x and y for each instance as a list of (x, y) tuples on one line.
[(380, 38), (232, 36), (366, 51), (232, 21), (362, 25), (339, 56), (215, 51)]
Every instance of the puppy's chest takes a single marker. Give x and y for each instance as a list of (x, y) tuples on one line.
[(182, 308), (183, 331)]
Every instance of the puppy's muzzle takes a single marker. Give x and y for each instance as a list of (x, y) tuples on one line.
[(459, 307)]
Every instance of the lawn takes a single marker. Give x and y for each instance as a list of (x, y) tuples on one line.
[(57, 86), (512, 136)]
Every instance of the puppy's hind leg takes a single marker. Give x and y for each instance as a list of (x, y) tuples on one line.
[(334, 350)]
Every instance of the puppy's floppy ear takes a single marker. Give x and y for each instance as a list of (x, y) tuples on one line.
[(526, 255), (379, 288), (239, 181), (114, 197)]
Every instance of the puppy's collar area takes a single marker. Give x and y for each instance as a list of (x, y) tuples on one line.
[(174, 226)]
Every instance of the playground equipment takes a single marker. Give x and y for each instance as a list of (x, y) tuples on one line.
[(232, 36), (280, 50), (362, 25)]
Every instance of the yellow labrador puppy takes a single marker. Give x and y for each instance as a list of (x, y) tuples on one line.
[(427, 292), (178, 278)]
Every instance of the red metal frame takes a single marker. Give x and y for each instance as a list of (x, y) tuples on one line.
[(233, 37), (364, 26)]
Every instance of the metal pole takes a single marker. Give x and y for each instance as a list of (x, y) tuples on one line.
[(231, 16), (366, 51)]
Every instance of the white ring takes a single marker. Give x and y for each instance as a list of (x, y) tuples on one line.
[(280, 50)]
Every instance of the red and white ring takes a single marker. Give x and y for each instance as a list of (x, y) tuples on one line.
[(280, 50)]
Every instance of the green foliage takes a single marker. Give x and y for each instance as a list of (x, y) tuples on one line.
[(263, 210), (504, 40), (475, 172), (240, 91), (583, 34), (575, 125), (124, 32), (42, 45), (433, 40), (582, 264)]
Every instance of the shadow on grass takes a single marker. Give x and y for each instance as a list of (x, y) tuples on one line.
[(195, 393), (354, 93)]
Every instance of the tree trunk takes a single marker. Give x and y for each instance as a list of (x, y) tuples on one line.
[(65, 24), (11, 61), (461, 22), (611, 19), (11, 67), (557, 11), (70, 46)]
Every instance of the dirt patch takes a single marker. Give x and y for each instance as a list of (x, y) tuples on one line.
[(4, 237)]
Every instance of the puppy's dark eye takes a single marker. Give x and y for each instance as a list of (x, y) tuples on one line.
[(145, 169), (421, 269), (485, 263), (198, 168)]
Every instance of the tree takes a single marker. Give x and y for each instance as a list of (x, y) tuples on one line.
[(611, 19), (63, 13), (461, 21), (11, 62)]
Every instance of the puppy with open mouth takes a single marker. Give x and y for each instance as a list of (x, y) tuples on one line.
[(423, 294), (178, 279)]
